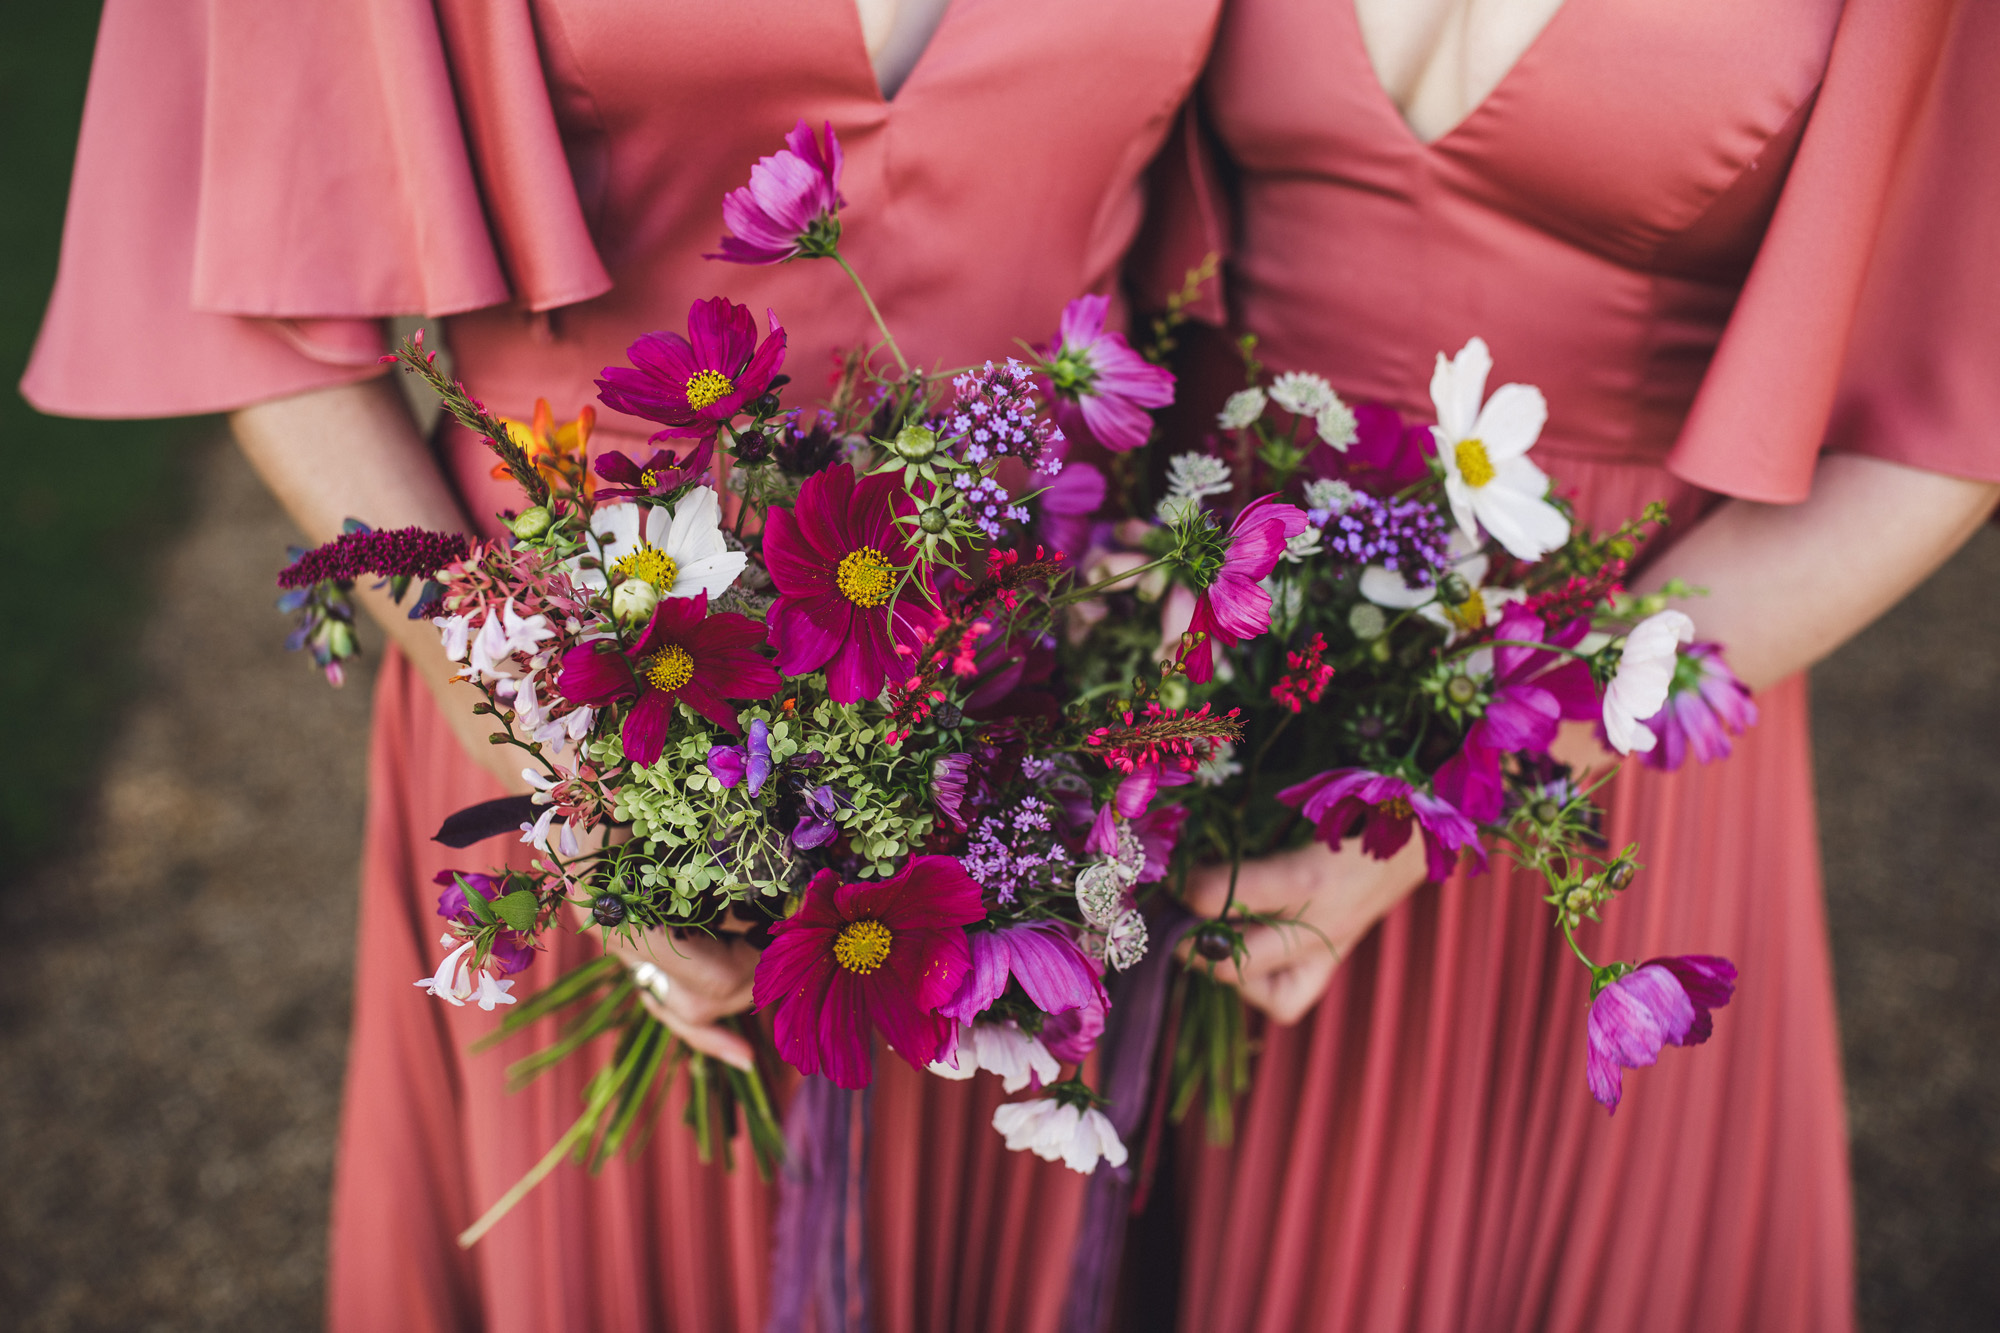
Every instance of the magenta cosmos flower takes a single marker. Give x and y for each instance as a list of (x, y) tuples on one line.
[(1100, 384), (1705, 706), (837, 558), (1389, 807), (693, 385), (685, 654), (860, 958), (1532, 690), (660, 475), (791, 207), (1054, 973), (1661, 1002), (1234, 606)]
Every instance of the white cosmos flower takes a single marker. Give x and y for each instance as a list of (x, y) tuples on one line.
[(1387, 587), (1645, 673), (1484, 449), (680, 553), (1055, 1131), (1242, 409), (1003, 1049), (456, 982)]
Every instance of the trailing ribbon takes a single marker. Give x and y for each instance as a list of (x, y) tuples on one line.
[(821, 1254)]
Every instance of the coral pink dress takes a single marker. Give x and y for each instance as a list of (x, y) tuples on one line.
[(1718, 236), (257, 183)]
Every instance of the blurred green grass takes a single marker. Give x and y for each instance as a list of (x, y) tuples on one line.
[(84, 505)]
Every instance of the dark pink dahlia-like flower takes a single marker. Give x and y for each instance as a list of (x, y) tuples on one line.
[(1705, 706), (662, 474), (1388, 808), (791, 207), (1659, 1003), (1101, 386), (837, 560), (693, 385), (1234, 606), (685, 654), (856, 959)]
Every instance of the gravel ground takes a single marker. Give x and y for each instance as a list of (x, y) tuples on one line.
[(171, 1087)]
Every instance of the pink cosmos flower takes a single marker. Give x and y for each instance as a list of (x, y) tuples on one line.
[(1056, 975), (860, 958), (1532, 691), (837, 558), (1101, 386), (693, 385), (685, 654), (1234, 606), (1704, 707), (1664, 1001), (1334, 800), (791, 207)]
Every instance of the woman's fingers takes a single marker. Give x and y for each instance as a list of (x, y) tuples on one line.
[(700, 979), (707, 1038), (1289, 993)]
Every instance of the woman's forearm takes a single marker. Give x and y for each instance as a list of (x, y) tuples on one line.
[(354, 452), (1787, 584)]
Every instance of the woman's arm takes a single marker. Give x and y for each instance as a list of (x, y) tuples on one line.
[(1787, 584)]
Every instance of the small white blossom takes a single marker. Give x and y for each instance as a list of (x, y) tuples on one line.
[(1303, 393), (1336, 425), (1121, 944), (1303, 547), (456, 982), (1244, 407), (1219, 767), (456, 631), (1326, 498), (1056, 1131), (1003, 1049), (505, 633), (1645, 673), (1192, 478)]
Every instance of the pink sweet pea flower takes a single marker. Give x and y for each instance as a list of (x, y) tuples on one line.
[(860, 958), (836, 559), (791, 207), (1661, 1002), (1335, 799), (693, 385), (685, 654), (1704, 707), (1234, 606), (1102, 387)]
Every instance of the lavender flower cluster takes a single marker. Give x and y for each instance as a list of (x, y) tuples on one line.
[(1016, 850), (1407, 536), (989, 502), (409, 553), (996, 414)]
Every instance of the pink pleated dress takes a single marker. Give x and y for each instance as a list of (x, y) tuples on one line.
[(258, 184), (1719, 237)]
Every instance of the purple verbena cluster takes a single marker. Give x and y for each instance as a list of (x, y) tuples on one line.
[(1407, 536), (989, 502), (412, 553), (996, 414), (1016, 850)]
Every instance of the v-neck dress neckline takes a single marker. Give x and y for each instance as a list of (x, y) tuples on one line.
[(1536, 51), (872, 79)]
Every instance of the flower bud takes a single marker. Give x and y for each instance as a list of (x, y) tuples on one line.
[(1453, 590), (1215, 942), (531, 524), (608, 910), (339, 639), (1545, 812), (632, 601), (1461, 690), (933, 520), (1619, 877), (1367, 621), (915, 443)]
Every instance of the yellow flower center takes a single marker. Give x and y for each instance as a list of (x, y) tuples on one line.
[(862, 946), (706, 387), (649, 479), (865, 577), (1397, 807), (1469, 614), (669, 669), (1473, 464), (651, 564)]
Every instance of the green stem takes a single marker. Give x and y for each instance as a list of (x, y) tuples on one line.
[(563, 1147), (880, 323), (1570, 940), (1129, 576)]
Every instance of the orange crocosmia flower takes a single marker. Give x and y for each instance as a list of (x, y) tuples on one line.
[(559, 452)]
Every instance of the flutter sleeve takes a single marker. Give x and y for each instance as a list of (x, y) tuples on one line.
[(257, 185), (1871, 319)]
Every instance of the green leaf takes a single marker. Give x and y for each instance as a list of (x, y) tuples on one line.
[(518, 910), (478, 906)]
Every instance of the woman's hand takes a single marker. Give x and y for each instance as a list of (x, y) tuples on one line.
[(708, 978), (1330, 899)]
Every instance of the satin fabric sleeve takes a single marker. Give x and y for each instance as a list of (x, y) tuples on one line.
[(258, 185), (1871, 319)]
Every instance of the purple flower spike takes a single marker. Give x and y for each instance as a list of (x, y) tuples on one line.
[(791, 207), (1661, 1002), (1101, 386)]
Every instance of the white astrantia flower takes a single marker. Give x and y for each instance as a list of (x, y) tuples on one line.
[(1336, 425), (1387, 587), (456, 982), (1645, 673), (1303, 393), (1056, 1131), (1003, 1049), (1328, 499), (1484, 448), (1220, 766), (1303, 547), (680, 553), (1244, 407), (1192, 478)]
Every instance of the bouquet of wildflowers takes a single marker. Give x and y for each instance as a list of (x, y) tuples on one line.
[(937, 690)]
